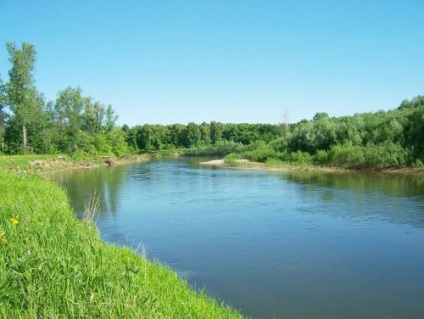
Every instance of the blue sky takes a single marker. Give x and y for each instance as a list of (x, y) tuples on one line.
[(239, 61)]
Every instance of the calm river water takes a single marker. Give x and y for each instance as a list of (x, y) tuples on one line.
[(283, 245)]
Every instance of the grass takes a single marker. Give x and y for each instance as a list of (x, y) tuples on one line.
[(275, 163), (54, 266), (40, 164), (24, 162)]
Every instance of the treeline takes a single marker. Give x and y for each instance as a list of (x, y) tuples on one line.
[(74, 124), (78, 125), (382, 139), (213, 137)]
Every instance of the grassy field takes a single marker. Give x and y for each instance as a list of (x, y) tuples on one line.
[(54, 266)]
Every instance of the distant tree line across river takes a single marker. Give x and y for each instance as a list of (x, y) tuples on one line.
[(80, 126)]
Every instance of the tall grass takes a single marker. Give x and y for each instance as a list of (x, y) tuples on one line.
[(54, 266)]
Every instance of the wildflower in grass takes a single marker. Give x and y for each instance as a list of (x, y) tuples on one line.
[(14, 221), (3, 239)]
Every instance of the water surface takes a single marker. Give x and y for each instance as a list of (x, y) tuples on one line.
[(283, 245)]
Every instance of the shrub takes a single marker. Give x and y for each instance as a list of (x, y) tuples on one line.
[(321, 157), (231, 159), (300, 157), (346, 156)]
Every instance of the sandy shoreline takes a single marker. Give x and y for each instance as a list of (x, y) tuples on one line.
[(217, 162), (249, 165), (246, 165)]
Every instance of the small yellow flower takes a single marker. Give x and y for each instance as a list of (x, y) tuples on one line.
[(3, 238), (14, 221)]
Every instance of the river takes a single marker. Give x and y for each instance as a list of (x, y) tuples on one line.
[(273, 245)]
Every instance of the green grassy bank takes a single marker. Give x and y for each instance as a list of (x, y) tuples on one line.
[(55, 266), (45, 163), (40, 164)]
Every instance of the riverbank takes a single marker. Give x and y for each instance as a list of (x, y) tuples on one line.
[(277, 167), (53, 265), (285, 167), (42, 164)]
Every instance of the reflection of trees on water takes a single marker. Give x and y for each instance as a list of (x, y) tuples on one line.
[(391, 185), (393, 198), (80, 185)]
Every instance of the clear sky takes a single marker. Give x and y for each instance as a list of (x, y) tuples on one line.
[(164, 61)]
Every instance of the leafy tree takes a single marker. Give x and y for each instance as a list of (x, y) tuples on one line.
[(217, 129), (319, 116), (117, 142), (149, 137), (243, 133), (22, 97), (416, 102), (83, 125), (130, 137), (2, 113), (349, 130), (414, 134), (110, 119), (205, 131), (69, 120), (193, 135), (93, 117), (301, 138), (269, 132), (324, 132), (177, 134)]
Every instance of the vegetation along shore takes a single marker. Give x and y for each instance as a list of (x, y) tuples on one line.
[(232, 161), (80, 127)]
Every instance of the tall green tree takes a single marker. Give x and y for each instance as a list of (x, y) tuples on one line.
[(22, 97), (2, 114), (110, 119), (194, 135), (205, 130), (68, 117), (217, 129), (177, 135)]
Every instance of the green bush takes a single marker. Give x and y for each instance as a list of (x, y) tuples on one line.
[(321, 157), (371, 156), (260, 152), (346, 156), (385, 156), (417, 164), (300, 157), (231, 159), (221, 148)]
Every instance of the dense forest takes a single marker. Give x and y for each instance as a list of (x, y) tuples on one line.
[(382, 139), (77, 125)]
